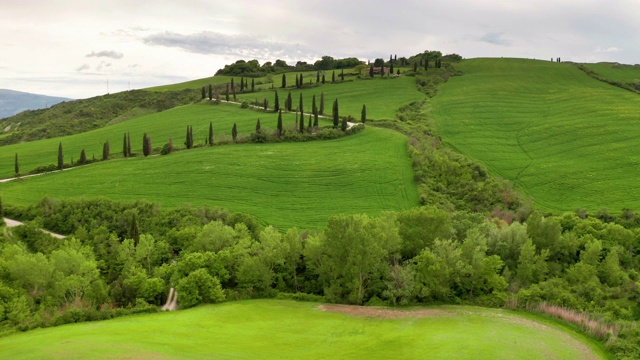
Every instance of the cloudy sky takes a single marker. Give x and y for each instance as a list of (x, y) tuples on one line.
[(85, 48)]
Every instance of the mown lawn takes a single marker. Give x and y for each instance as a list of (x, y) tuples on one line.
[(563, 138), (272, 329), (283, 184)]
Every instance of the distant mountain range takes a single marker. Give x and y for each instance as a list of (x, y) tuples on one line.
[(14, 102)]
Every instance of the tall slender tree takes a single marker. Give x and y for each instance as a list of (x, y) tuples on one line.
[(234, 132), (336, 115), (60, 157), (317, 77), (210, 133), (129, 144), (363, 114), (333, 76), (258, 127), (134, 231), (242, 84), (301, 122), (1, 212), (371, 71), (382, 71), (289, 102), (323, 79), (149, 146), (284, 81), (321, 111), (226, 95), (310, 125), (391, 69), (204, 95), (233, 90), (265, 104), (253, 85), (276, 103), (145, 148), (125, 153), (342, 75), (300, 105), (315, 118), (344, 123), (279, 127), (210, 92), (17, 166), (415, 66), (106, 150)]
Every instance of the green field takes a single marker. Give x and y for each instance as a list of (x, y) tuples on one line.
[(286, 184), (271, 329), (160, 126), (563, 138), (616, 72)]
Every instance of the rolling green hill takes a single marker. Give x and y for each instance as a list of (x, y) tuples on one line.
[(270, 329), (286, 184), (628, 74), (565, 139)]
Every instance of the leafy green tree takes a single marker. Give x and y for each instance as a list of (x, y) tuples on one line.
[(16, 165), (532, 268), (363, 114), (210, 133), (400, 285), (199, 287), (284, 81), (322, 103), (279, 127), (83, 158), (60, 157), (106, 150), (420, 227), (336, 114), (234, 132), (276, 103)]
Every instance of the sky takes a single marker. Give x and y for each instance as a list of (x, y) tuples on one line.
[(80, 49)]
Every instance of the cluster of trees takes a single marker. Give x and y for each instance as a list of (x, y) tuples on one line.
[(253, 68), (129, 255)]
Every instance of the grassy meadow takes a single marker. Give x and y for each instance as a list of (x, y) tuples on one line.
[(616, 72), (563, 138), (272, 329), (283, 184)]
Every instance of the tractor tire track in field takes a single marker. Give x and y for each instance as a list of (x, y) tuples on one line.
[(515, 179)]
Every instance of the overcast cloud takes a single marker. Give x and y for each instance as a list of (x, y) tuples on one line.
[(75, 48)]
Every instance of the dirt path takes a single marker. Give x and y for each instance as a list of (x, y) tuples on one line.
[(384, 313), (12, 223), (32, 175)]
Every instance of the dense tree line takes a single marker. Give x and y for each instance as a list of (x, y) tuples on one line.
[(419, 256), (254, 69)]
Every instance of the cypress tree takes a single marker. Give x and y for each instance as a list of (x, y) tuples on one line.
[(105, 150), (301, 80), (391, 69), (242, 84), (284, 81), (233, 89), (321, 103), (125, 153), (128, 144), (258, 127), (415, 66), (371, 71), (253, 85), (301, 122), (279, 123), (233, 86), (300, 106), (265, 104), (134, 232), (382, 71), (186, 139), (317, 77), (234, 132), (342, 75), (276, 103), (191, 137), (17, 165), (210, 133), (310, 123), (315, 118), (149, 145), (1, 212), (170, 144), (227, 93), (203, 94), (344, 124), (323, 78), (145, 149), (210, 92), (60, 157), (336, 116), (333, 76), (289, 102), (313, 104), (363, 114)]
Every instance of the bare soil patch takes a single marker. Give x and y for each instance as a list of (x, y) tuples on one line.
[(383, 313)]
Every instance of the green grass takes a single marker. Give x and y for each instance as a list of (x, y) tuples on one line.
[(271, 329), (616, 72), (286, 184), (563, 138), (160, 126)]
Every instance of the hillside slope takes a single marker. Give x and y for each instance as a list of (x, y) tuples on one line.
[(13, 102), (565, 139)]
